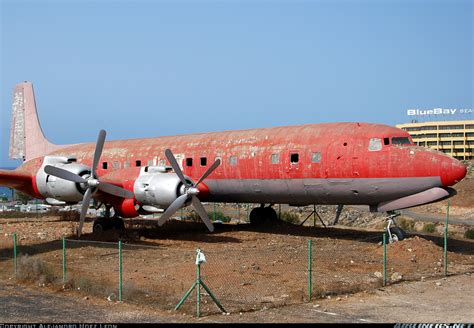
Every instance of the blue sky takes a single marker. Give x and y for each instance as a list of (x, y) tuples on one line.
[(151, 68)]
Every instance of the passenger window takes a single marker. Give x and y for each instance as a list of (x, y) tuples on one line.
[(316, 157), (150, 162), (233, 160), (116, 165), (275, 158), (138, 163), (386, 141), (104, 165), (375, 144), (203, 161), (189, 161), (126, 164), (294, 158)]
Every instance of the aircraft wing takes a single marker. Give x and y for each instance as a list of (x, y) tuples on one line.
[(15, 179)]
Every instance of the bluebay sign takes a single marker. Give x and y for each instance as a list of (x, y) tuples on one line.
[(439, 111)]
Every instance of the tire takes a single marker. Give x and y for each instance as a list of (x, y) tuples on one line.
[(270, 215), (261, 216), (397, 234), (99, 227), (256, 216), (118, 224)]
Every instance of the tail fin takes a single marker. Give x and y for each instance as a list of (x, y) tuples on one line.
[(27, 140)]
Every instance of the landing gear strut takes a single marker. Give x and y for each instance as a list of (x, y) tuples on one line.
[(393, 232), (262, 215)]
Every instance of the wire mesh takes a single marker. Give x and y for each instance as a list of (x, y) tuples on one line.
[(156, 275), (243, 276), (6, 256), (336, 271), (92, 268)]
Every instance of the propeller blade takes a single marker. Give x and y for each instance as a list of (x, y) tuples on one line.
[(202, 213), (115, 190), (209, 171), (176, 168), (85, 206), (63, 174), (99, 146), (176, 205)]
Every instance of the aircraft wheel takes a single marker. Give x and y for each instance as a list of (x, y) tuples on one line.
[(255, 216), (99, 227), (270, 214), (397, 234), (118, 224), (262, 215)]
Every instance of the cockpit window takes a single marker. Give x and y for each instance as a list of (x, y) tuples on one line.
[(375, 144), (401, 141)]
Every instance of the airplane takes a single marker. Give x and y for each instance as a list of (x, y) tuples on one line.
[(347, 163)]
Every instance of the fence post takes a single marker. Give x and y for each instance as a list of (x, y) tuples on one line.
[(198, 291), (120, 271), (446, 243), (279, 211), (197, 284), (64, 261), (310, 269), (14, 254), (384, 259)]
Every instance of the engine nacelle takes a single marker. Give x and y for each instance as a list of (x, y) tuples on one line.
[(155, 186), (52, 187)]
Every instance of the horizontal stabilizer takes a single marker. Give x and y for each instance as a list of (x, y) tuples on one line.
[(422, 198)]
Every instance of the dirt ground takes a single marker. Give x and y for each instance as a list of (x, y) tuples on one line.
[(440, 300), (249, 270)]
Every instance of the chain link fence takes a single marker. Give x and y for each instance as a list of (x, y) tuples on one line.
[(242, 276)]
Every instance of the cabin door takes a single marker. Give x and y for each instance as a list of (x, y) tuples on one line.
[(339, 160)]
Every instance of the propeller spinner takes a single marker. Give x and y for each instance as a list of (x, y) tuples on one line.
[(90, 183), (190, 192)]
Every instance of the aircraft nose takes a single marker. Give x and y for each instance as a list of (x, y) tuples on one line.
[(453, 171)]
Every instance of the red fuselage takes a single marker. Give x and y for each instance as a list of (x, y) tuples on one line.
[(337, 163)]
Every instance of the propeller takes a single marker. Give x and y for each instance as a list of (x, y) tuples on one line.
[(190, 192), (91, 182)]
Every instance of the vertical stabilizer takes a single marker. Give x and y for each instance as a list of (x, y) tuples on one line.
[(27, 140)]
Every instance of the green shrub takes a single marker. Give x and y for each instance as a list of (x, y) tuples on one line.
[(406, 224), (429, 227), (289, 217), (35, 270), (218, 215), (84, 284), (469, 234)]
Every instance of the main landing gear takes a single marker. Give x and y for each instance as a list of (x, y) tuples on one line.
[(107, 222), (393, 232), (262, 215)]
